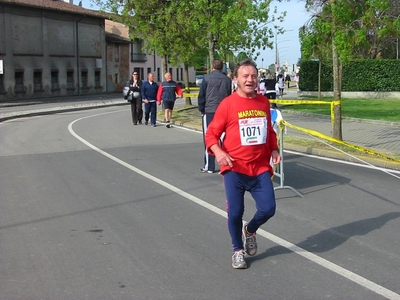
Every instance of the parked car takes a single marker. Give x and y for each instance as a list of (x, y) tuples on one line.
[(199, 79), (125, 90)]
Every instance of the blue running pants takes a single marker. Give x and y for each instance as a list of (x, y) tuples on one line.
[(261, 189)]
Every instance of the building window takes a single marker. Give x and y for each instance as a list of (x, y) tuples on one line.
[(148, 71), (97, 81), (37, 81), (19, 82), (70, 80), (181, 73), (137, 54), (177, 73), (1, 84), (84, 78), (170, 71), (116, 78), (116, 52), (54, 80)]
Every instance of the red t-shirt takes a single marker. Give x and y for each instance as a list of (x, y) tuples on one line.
[(249, 136)]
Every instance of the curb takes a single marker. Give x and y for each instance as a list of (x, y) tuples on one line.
[(54, 110)]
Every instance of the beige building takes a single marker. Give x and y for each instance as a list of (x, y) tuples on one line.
[(51, 48)]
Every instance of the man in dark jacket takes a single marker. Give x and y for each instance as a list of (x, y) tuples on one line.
[(149, 96), (214, 88)]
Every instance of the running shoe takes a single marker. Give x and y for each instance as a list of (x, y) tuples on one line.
[(249, 241), (238, 261), (168, 125), (202, 170)]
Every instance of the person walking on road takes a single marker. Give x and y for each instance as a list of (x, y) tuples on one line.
[(215, 87), (166, 94), (281, 85), (262, 88), (288, 79), (149, 95), (297, 79), (135, 85), (270, 84), (245, 157)]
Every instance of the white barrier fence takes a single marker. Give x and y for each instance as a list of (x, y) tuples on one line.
[(276, 117)]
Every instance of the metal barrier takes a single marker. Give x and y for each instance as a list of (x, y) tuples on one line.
[(278, 126)]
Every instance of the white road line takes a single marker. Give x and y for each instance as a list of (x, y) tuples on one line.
[(367, 165), (376, 288)]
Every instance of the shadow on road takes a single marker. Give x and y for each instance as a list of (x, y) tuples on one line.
[(331, 238)]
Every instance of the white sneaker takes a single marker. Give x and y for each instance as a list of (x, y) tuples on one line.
[(238, 261), (249, 241)]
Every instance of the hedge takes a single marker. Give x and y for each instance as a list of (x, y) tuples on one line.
[(378, 75)]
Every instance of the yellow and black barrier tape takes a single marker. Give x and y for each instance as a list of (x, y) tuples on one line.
[(293, 101), (190, 95), (331, 139)]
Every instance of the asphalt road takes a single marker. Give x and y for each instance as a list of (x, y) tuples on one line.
[(94, 208)]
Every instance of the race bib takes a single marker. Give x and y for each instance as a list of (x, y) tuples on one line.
[(253, 131)]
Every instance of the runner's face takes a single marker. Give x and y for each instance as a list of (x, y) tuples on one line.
[(246, 80), (168, 77), (151, 77)]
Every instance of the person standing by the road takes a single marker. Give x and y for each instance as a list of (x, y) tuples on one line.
[(270, 84), (244, 157), (281, 85), (262, 85), (297, 79), (149, 95), (135, 85), (233, 84), (215, 87), (288, 79), (166, 94)]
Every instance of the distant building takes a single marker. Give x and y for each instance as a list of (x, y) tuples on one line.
[(53, 48)]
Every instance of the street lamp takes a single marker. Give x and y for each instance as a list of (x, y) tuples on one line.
[(277, 50), (276, 43)]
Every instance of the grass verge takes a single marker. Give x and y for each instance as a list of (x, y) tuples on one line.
[(372, 109)]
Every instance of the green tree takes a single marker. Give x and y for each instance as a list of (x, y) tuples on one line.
[(352, 26)]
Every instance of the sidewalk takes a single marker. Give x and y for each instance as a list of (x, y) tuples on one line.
[(381, 137)]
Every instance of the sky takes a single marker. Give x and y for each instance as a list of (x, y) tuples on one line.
[(288, 43)]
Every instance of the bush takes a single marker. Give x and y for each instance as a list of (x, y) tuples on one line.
[(378, 75)]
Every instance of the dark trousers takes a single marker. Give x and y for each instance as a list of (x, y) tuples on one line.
[(262, 191), (209, 160), (150, 111), (271, 95), (137, 110)]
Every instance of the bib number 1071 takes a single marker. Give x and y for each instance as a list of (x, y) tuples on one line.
[(253, 131)]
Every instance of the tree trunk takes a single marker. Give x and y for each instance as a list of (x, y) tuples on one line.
[(319, 79), (164, 62), (211, 49), (337, 123), (187, 88)]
